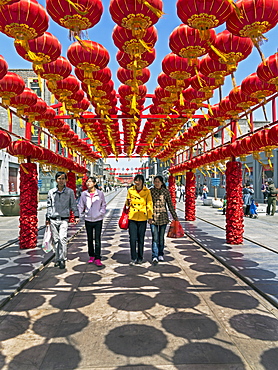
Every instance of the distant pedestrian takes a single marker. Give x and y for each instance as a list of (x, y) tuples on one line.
[(205, 191), (182, 193), (271, 199), (247, 195), (92, 206), (224, 205), (264, 189), (60, 201)]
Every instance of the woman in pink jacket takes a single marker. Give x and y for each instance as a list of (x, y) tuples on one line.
[(92, 207)]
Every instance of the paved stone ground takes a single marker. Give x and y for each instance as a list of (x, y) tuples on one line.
[(189, 312)]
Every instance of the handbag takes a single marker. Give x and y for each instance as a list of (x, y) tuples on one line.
[(175, 230), (123, 221), (47, 243)]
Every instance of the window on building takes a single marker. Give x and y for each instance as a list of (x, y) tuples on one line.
[(34, 85)]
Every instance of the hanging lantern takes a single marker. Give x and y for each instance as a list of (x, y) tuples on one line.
[(188, 43), (204, 83), (33, 112), (3, 67), (79, 107), (213, 68), (24, 100), (135, 64), (20, 148), (74, 98), (177, 67), (55, 71), (76, 16), (127, 77), (267, 71), (125, 41), (195, 96), (6, 2), (217, 113), (171, 84), (230, 109), (43, 49), (48, 115), (11, 85), (23, 20), (5, 139), (204, 15), (137, 15), (255, 17), (64, 88), (256, 88), (95, 78), (127, 92), (230, 49), (92, 58), (241, 100)]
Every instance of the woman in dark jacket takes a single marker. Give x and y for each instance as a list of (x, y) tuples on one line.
[(160, 197)]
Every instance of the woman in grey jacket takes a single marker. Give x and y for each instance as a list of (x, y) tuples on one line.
[(92, 206)]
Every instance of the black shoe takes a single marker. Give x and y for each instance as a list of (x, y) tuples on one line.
[(62, 264), (57, 263), (139, 262)]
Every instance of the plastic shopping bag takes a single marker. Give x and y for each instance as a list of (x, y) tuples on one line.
[(123, 221), (47, 243), (175, 230)]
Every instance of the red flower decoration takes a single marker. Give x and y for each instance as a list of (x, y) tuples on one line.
[(190, 197)]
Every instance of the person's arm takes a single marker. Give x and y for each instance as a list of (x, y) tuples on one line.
[(128, 199), (73, 206), (48, 209), (81, 205), (171, 206), (149, 206), (103, 204)]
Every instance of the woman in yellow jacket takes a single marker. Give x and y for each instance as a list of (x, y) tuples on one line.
[(139, 201)]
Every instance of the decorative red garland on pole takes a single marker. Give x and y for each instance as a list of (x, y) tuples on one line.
[(190, 199), (28, 219), (172, 189), (234, 210), (71, 183), (84, 180)]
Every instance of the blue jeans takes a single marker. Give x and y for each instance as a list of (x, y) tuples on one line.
[(158, 232)]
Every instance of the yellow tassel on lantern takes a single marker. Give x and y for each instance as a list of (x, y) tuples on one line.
[(218, 52), (156, 11), (32, 129), (248, 169), (181, 99), (24, 169), (80, 9), (238, 127), (21, 123), (269, 162), (236, 9), (145, 45), (230, 132)]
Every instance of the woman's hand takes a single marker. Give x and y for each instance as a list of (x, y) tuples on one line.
[(128, 200), (150, 221)]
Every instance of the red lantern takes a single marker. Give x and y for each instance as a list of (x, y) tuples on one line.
[(26, 99), (5, 139), (64, 88), (127, 92), (188, 43), (230, 109), (43, 49), (230, 49), (48, 115), (213, 68), (35, 110), (136, 15), (203, 14), (3, 67), (256, 88), (75, 16), (20, 148), (11, 85), (95, 78), (253, 19), (241, 100), (267, 71), (195, 96), (127, 77), (23, 20), (55, 71), (204, 83), (90, 57), (135, 63), (125, 41), (171, 84), (177, 67), (74, 98), (79, 107)]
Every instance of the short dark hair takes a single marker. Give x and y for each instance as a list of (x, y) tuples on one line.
[(60, 173), (139, 177)]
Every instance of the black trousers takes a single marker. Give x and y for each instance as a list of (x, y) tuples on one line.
[(137, 230), (94, 250)]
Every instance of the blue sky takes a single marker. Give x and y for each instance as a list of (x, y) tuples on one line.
[(102, 33)]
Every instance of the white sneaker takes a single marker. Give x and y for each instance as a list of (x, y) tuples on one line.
[(132, 263), (155, 261), (160, 258)]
